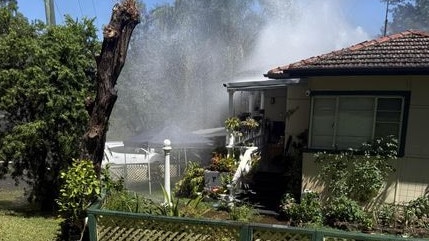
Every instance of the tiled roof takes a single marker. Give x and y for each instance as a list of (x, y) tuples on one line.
[(403, 53)]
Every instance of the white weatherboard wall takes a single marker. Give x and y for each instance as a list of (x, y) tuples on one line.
[(411, 178), (275, 104), (298, 106)]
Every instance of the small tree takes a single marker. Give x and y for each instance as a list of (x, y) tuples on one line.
[(45, 75), (81, 187)]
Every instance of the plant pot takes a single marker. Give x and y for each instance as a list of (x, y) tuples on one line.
[(213, 178)]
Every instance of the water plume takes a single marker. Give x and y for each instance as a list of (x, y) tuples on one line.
[(177, 65), (313, 28)]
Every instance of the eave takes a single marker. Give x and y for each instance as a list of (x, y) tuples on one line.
[(312, 72), (263, 84)]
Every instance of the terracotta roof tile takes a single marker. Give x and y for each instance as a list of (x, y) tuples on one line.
[(405, 50)]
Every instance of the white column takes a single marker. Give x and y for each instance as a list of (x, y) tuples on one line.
[(231, 102), (167, 150), (262, 106), (251, 103)]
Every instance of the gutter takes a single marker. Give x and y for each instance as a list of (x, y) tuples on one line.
[(312, 72), (263, 84)]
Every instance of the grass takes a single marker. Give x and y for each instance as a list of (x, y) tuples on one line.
[(20, 221)]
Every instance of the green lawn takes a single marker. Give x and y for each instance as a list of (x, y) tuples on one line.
[(19, 221)]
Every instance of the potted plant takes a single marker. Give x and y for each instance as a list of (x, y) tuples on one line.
[(221, 168)]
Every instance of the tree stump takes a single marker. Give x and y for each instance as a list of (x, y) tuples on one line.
[(117, 35)]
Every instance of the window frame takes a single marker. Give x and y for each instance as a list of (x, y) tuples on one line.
[(405, 95)]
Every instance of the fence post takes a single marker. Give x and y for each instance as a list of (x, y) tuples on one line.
[(245, 233), (92, 225), (167, 150), (317, 235)]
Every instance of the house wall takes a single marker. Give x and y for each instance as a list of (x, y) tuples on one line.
[(298, 106), (241, 102), (410, 179), (275, 111)]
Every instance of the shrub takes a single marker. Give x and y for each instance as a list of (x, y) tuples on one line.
[(242, 213), (249, 124), (125, 201), (358, 174), (175, 207), (195, 208), (417, 212), (238, 126), (388, 215), (80, 188), (308, 211), (345, 213), (222, 163), (192, 182), (232, 124), (108, 183)]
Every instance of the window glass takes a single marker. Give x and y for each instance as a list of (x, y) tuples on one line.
[(386, 129), (355, 121), (388, 118), (389, 104), (356, 103), (348, 121), (323, 122), (383, 116)]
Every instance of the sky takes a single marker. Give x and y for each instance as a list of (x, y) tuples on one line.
[(367, 14), (101, 10)]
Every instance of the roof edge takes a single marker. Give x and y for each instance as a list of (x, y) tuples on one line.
[(349, 71)]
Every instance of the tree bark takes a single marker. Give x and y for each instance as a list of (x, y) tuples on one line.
[(117, 34)]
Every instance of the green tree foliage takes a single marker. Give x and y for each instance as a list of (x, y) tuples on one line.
[(45, 75), (408, 14)]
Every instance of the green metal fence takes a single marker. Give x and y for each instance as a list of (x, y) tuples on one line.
[(112, 225)]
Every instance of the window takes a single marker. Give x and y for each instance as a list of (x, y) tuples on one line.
[(342, 120)]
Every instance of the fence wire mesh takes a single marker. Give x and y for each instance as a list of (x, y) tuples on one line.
[(146, 175), (120, 228)]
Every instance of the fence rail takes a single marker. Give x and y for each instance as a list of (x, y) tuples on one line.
[(113, 225)]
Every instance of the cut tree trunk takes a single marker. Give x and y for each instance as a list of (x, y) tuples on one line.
[(117, 35)]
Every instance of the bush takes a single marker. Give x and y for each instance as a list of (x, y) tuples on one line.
[(345, 213), (358, 174), (192, 182), (388, 215), (108, 183), (417, 212), (80, 188), (195, 208), (242, 213), (308, 211), (125, 201), (409, 217), (222, 163)]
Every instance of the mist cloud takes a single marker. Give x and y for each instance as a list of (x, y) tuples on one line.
[(315, 27)]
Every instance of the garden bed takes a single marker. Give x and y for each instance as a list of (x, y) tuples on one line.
[(114, 225), (196, 209)]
